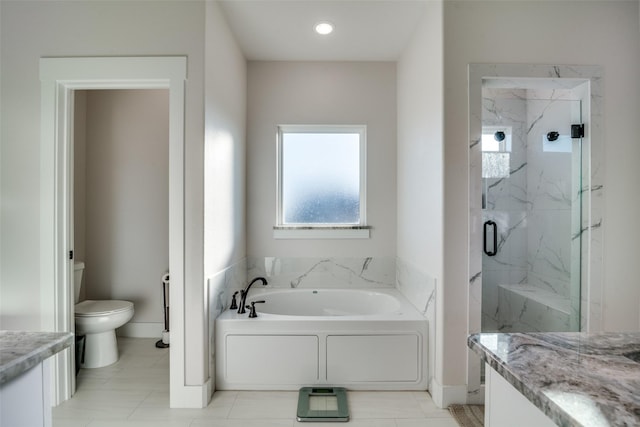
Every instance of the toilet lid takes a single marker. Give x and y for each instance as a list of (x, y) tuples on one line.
[(101, 307)]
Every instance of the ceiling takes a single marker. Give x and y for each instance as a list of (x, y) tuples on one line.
[(282, 30)]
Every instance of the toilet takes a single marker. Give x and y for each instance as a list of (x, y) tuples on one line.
[(97, 320)]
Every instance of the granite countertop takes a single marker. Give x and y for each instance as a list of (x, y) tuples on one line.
[(20, 351), (576, 379)]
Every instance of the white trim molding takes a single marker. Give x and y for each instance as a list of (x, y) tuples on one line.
[(446, 395), (361, 131), (60, 77), (357, 232)]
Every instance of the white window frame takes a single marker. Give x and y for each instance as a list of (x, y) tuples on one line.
[(316, 230)]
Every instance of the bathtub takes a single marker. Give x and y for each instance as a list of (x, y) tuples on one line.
[(358, 339)]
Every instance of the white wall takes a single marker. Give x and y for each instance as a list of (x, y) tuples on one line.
[(321, 93), (127, 199), (545, 33), (420, 152), (224, 174), (33, 29), (225, 145), (420, 165)]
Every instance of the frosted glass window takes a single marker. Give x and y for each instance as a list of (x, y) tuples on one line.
[(495, 165), (321, 175), (496, 148)]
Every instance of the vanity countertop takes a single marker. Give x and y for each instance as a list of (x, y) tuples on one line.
[(20, 351), (576, 379)]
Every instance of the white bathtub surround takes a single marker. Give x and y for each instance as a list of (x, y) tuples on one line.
[(290, 272), (419, 288), (332, 345), (224, 284), (220, 288)]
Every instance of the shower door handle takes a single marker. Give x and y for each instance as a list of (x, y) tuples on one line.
[(492, 224)]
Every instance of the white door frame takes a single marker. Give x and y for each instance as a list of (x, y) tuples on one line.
[(60, 77), (589, 77)]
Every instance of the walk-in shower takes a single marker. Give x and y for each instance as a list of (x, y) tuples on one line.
[(535, 201), (531, 209)]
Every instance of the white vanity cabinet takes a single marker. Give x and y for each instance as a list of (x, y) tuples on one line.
[(25, 400), (507, 407), (25, 388)]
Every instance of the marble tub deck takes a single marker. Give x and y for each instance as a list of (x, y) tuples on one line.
[(20, 351), (576, 379)]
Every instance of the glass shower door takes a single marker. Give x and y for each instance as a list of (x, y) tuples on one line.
[(531, 173)]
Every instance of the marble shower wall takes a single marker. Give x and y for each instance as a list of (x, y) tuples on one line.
[(554, 191)]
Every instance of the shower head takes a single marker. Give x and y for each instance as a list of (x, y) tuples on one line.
[(499, 136), (552, 136)]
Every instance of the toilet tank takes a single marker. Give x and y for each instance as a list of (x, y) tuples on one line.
[(78, 269)]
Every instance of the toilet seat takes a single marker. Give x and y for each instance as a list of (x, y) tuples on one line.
[(94, 308)]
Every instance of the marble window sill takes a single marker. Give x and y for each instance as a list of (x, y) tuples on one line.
[(322, 232)]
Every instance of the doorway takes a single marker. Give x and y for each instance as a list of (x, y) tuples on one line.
[(501, 210), (121, 200), (531, 209), (60, 78)]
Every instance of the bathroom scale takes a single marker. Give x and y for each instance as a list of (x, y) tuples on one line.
[(322, 404)]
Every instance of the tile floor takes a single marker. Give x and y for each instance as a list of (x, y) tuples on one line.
[(134, 392)]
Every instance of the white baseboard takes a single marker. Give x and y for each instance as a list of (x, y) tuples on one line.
[(191, 396), (444, 396), (141, 330)]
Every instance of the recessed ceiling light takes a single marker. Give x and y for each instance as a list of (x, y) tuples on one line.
[(323, 28)]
